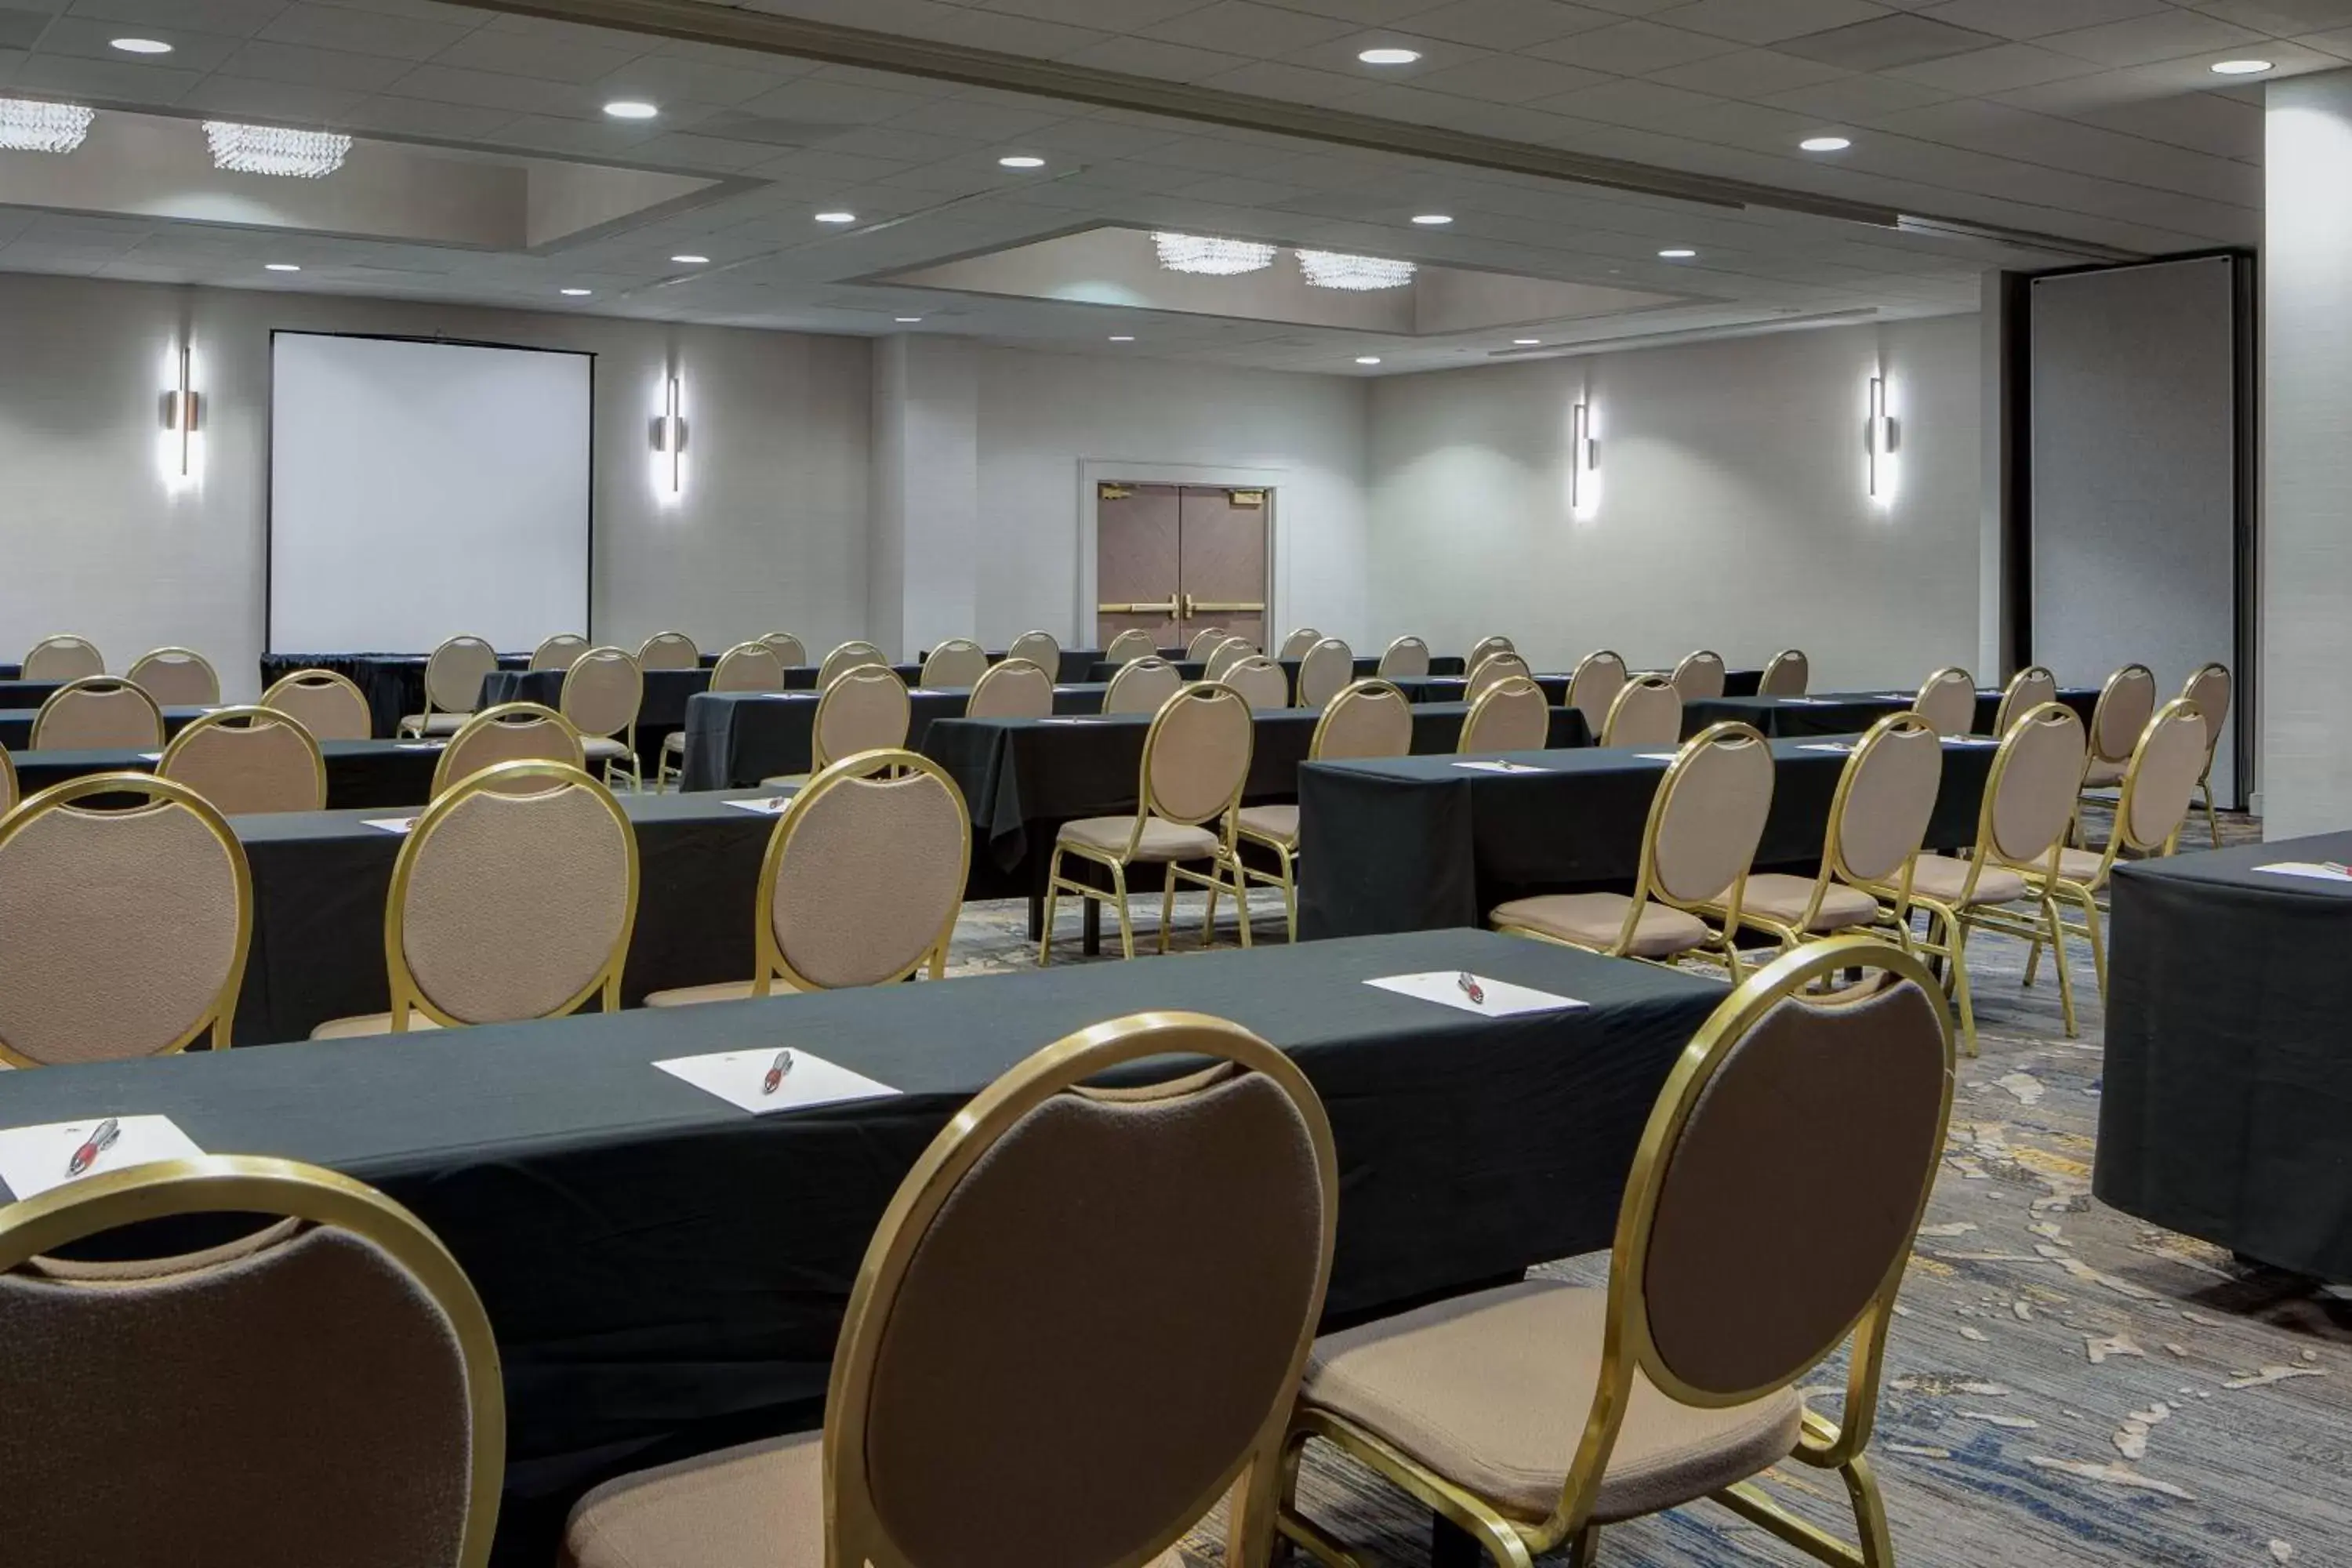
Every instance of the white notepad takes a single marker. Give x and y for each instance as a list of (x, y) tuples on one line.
[(2312, 869), (1801, 701), (1657, 756), (400, 825), (34, 1159), (766, 806), (150, 756), (1503, 767), (1972, 740), (1079, 718), (420, 745), (1503, 999), (735, 1076), (1842, 748)]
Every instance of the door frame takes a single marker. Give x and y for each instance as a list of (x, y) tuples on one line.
[(1094, 471)]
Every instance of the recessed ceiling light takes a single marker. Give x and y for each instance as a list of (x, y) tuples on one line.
[(691, 261), (1021, 160), (906, 321), (1826, 143), (1432, 220), (1677, 254), (279, 267), (577, 293), (143, 46), (1389, 57), (1367, 359), (837, 217), (2241, 68), (1526, 342), (631, 109), (1121, 338)]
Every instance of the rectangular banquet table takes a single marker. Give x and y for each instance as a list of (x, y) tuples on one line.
[(802, 677), (1069, 670), (373, 773), (1419, 843), (320, 880), (661, 1268), (661, 710), (1847, 712), (735, 739), (16, 725), (392, 683), (28, 694), (1365, 666), (2226, 1112)]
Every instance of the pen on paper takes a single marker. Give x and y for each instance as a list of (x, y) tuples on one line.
[(101, 1139), (776, 1072), (1471, 988)]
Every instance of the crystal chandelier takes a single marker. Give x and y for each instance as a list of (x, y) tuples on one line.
[(29, 127), (1217, 257), (273, 150), (1330, 270)]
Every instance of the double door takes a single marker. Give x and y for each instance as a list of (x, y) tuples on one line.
[(1174, 559)]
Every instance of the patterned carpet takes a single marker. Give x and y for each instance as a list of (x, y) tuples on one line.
[(2067, 1385)]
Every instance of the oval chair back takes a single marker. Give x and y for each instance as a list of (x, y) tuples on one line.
[(1131, 645), (958, 661), (1406, 658), (864, 875), (1487, 647), (980, 1237), (2127, 704), (1647, 712), (1262, 683), (453, 675), (98, 713), (865, 709), (1512, 714), (749, 667), (2030, 796), (1324, 672), (1142, 685), (1708, 818), (62, 657), (514, 898), (283, 1343), (1787, 674), (559, 652), (789, 649), (1491, 671), (1204, 642), (1228, 653), (1012, 689), (176, 677), (855, 654), (1949, 702), (1599, 678), (604, 691), (122, 928), (668, 650), (2161, 783), (1369, 718), (1196, 757), (1699, 676), (2208, 689), (1295, 645), (1039, 648), (509, 732), (248, 761), (1886, 798), (9, 792), (328, 705), (2028, 688)]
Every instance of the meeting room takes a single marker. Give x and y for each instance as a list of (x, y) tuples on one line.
[(1175, 783)]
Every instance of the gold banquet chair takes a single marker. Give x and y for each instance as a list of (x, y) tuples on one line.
[(1491, 671), (1131, 645), (559, 652), (1324, 672), (1534, 1413), (1700, 676), (1039, 648), (1227, 653), (1406, 658), (1788, 674), (1142, 685), (863, 710), (1295, 645), (1485, 649), (746, 667), (1511, 714), (789, 649), (514, 897), (1878, 818), (862, 882), (1369, 719), (1703, 825), (1206, 641), (1947, 701), (1010, 1388), (454, 673), (602, 693), (2029, 799), (2027, 690), (1599, 678), (337, 1362), (323, 702), (1262, 683), (957, 662), (1012, 689), (854, 654), (668, 650), (2159, 786), (123, 930), (2126, 703), (176, 677), (8, 790), (2208, 689), (62, 657), (1646, 711), (98, 713), (1196, 761), (247, 761), (509, 732)]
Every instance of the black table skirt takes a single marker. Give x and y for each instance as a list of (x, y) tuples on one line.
[(1455, 688), (27, 694), (659, 1267), (16, 725), (2226, 1111), (1365, 666), (392, 683), (1417, 844), (11, 671), (661, 710), (733, 739), (802, 677), (360, 774), (1070, 669), (1846, 713)]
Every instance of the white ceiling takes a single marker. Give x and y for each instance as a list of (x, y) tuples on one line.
[(2092, 121)]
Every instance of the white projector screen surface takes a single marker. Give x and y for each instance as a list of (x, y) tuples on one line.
[(420, 490)]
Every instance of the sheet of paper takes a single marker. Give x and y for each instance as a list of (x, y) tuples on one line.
[(1501, 999), (736, 1076), (1801, 701), (2312, 869), (1503, 767), (1074, 719), (766, 806), (1972, 741), (1657, 756), (1842, 748), (422, 745), (389, 824), (1893, 696), (34, 1159), (150, 756)]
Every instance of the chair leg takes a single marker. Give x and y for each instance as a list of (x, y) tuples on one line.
[(2032, 960), (2058, 962), (2099, 942), (1290, 891), (1240, 897), (1869, 1512), (1209, 918), (1167, 905), (1956, 940), (1053, 897), (1585, 1551), (1252, 1507), (2212, 823), (1125, 920)]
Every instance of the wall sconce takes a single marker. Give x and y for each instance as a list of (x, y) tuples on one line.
[(182, 412), (1583, 462), (669, 432), (1881, 437)]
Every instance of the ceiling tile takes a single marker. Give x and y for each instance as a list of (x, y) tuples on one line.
[(244, 96), (1641, 103), (1510, 78), (1103, 15), (1749, 73), (1858, 96), (1768, 21), (666, 79), (92, 39), (363, 32), (1148, 56), (522, 54), (1359, 13), (1507, 24), (2205, 121), (1899, 39), (314, 67), (419, 117), (2141, 39), (1635, 48), (124, 80), (1295, 84), (2032, 18), (236, 18), (2286, 17), (1241, 27), (1991, 70)]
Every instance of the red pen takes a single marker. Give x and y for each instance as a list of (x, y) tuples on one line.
[(101, 1139), (1471, 988), (776, 1072)]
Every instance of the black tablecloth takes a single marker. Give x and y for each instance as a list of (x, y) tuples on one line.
[(802, 677), (11, 671), (2227, 1108), (734, 740), (30, 694), (392, 683), (1419, 843), (653, 1259), (1454, 688), (661, 711), (1846, 713), (320, 879), (17, 724), (360, 774), (1365, 666)]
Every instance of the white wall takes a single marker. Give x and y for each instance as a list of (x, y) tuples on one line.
[(1732, 512), (771, 532)]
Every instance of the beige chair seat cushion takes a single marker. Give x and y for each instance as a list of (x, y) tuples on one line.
[(1491, 1391), (2103, 774), (1783, 897), (1595, 920), (759, 1506), (603, 747), (367, 1024), (1279, 823), (724, 991), (433, 725), (675, 742), (1161, 840), (2080, 865), (1941, 878)]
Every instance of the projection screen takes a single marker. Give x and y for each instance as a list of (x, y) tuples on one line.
[(418, 490)]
